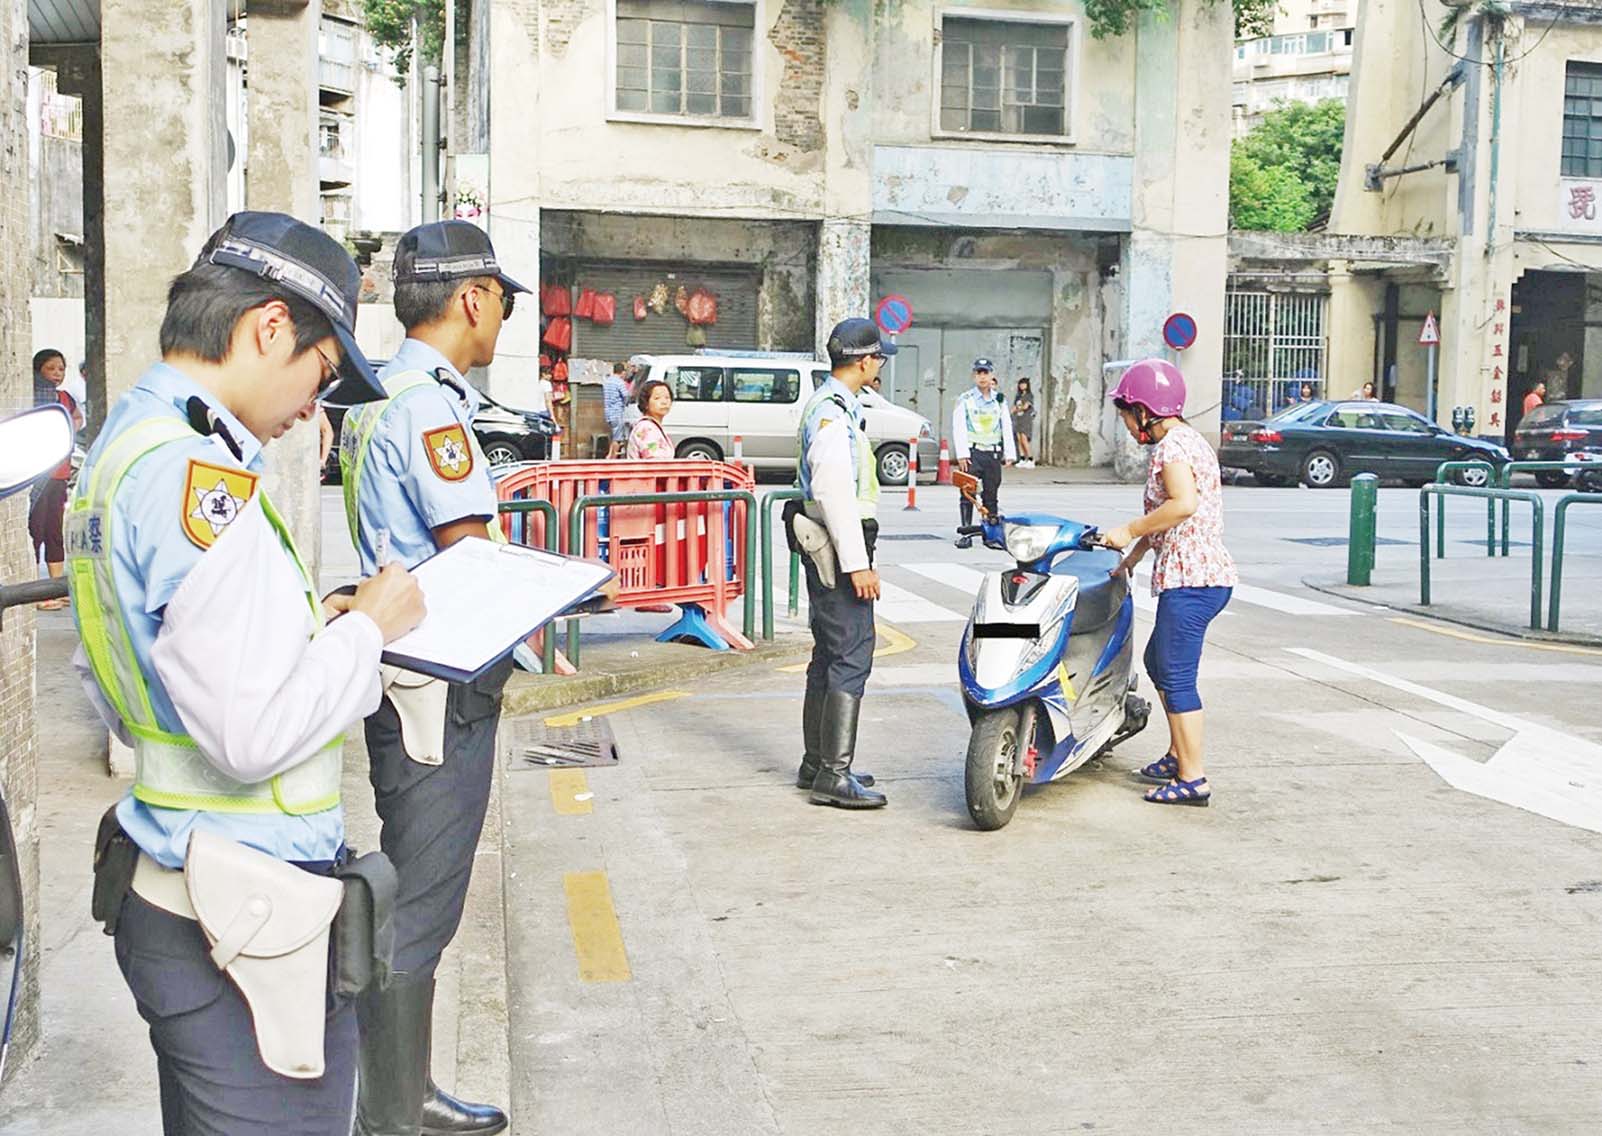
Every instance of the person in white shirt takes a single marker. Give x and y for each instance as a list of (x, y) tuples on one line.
[(982, 436)]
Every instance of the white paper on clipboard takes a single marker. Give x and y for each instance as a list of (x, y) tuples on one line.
[(483, 597)]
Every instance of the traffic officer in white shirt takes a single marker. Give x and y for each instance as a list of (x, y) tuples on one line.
[(206, 649), (837, 526), (416, 481), (981, 433)]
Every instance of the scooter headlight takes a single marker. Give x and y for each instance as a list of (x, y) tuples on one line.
[(1026, 543)]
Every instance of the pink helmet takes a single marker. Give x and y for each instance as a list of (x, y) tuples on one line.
[(1155, 384)]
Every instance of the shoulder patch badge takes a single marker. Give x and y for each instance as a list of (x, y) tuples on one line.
[(214, 496), (449, 452)]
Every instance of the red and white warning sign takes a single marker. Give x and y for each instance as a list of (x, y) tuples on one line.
[(1430, 334)]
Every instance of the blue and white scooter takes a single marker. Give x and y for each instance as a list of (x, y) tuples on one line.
[(1046, 661)]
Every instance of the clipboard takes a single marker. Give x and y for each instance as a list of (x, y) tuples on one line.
[(483, 599)]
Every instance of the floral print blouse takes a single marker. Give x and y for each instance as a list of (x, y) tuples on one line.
[(649, 441), (1192, 553)]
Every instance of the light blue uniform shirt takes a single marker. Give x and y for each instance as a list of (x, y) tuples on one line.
[(831, 393), (150, 558), (402, 490)]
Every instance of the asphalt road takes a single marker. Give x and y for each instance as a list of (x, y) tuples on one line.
[(1387, 922)]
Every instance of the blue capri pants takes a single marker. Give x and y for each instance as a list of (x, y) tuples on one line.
[(1174, 650)]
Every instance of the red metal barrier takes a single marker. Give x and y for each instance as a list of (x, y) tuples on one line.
[(662, 554)]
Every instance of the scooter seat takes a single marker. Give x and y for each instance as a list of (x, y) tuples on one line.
[(1100, 595)]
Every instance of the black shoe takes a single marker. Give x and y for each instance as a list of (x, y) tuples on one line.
[(811, 723), (837, 736), (393, 1059), (444, 1115), (965, 542)]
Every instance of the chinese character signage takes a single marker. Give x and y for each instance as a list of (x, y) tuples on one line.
[(1496, 359), (1580, 205)]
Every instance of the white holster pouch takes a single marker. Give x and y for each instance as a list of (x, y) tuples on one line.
[(814, 541), (268, 923), (419, 703)]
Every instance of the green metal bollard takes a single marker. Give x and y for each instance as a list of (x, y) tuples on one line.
[(1360, 539)]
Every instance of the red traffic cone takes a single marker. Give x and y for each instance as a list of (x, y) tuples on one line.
[(943, 471)]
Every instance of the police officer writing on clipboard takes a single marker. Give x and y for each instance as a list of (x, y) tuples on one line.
[(981, 433), (835, 527), (416, 482), (206, 649)]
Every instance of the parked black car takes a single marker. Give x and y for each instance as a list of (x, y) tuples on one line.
[(1323, 443), (1554, 431), (507, 434)]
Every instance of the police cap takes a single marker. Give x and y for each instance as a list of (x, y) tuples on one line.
[(309, 263), (983, 364), (854, 338), (448, 250)]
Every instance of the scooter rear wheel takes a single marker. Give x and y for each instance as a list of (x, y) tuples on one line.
[(993, 786)]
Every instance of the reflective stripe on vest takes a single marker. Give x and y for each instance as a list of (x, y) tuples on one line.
[(170, 771), (984, 420), (861, 455), (356, 438)]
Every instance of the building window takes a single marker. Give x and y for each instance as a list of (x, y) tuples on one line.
[(688, 59), (1582, 120), (1004, 77)]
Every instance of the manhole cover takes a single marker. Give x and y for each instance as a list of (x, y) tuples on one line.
[(1336, 541), (909, 536), (530, 744)]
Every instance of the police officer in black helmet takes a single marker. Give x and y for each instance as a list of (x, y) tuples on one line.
[(835, 526)]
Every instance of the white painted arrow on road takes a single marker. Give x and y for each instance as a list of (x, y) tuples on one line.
[(1539, 769)]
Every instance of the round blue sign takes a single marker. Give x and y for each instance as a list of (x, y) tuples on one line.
[(893, 315), (1179, 332)]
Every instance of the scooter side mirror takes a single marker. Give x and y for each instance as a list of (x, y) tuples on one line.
[(31, 445)]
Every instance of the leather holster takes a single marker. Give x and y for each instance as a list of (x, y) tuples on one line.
[(268, 923), (420, 703), (817, 547)]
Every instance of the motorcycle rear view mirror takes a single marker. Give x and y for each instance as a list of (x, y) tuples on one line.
[(31, 445)]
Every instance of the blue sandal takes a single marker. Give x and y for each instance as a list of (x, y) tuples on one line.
[(1178, 792), (1159, 772)]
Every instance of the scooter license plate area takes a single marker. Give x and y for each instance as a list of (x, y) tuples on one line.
[(1030, 631)]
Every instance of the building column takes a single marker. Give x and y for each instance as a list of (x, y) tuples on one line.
[(281, 176), (514, 210), (19, 774), (1177, 257), (165, 162), (843, 257)]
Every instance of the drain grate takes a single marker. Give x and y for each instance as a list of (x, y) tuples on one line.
[(1336, 541), (909, 536), (529, 743)]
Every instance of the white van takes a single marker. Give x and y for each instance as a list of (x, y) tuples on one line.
[(759, 395)]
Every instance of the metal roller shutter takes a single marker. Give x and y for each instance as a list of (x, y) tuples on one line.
[(736, 291)]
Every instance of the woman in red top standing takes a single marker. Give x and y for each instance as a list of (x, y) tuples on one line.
[(49, 503)]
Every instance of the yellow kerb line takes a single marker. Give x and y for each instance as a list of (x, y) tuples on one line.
[(1454, 633), (597, 938), (896, 642), (574, 717), (570, 792)]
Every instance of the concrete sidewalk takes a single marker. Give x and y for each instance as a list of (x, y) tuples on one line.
[(94, 1071)]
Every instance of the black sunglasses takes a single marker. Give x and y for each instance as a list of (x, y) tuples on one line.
[(508, 301), (330, 373)]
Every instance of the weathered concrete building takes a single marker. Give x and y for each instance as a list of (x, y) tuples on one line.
[(1037, 195), (1504, 167)]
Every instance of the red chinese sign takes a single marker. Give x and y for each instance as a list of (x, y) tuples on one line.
[(1497, 358)]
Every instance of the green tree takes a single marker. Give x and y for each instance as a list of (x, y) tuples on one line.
[(389, 22), (1115, 17), (1266, 198), (1295, 142)]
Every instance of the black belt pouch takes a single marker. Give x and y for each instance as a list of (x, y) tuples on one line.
[(364, 929), (791, 510), (870, 535), (115, 858)]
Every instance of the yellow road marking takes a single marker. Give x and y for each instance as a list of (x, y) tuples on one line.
[(896, 642), (597, 938), (575, 717), (568, 786), (1439, 629)]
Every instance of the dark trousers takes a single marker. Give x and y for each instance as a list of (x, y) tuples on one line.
[(213, 1082), (842, 636), (432, 815), (986, 466)]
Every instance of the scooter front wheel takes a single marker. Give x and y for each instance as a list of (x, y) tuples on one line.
[(993, 784)]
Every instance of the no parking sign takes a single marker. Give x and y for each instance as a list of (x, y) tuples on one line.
[(893, 315), (1179, 331)]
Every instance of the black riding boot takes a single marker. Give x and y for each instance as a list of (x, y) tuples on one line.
[(393, 1058), (837, 738), (398, 1097), (811, 726)]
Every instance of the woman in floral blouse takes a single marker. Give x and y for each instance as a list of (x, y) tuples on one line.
[(1193, 576), (648, 439)]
